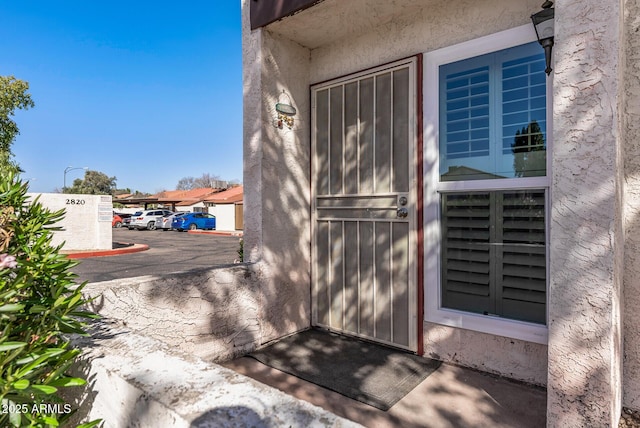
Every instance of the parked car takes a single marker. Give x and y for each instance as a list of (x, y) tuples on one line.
[(116, 221), (193, 221), (147, 219), (165, 222), (120, 219)]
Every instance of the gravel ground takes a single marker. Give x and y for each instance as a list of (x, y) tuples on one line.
[(629, 419)]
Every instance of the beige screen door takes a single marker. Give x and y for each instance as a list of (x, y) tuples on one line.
[(364, 205)]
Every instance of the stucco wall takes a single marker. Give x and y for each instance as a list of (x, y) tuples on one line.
[(427, 28), (512, 358), (276, 175), (215, 314), (87, 222), (252, 58), (586, 234), (596, 93), (277, 161), (631, 136)]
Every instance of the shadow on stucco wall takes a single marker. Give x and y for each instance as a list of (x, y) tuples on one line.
[(82, 398), (277, 162), (587, 255), (233, 416), (593, 266), (271, 295), (211, 313), (631, 125)]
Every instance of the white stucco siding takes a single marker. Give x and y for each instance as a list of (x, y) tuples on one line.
[(252, 133), (586, 223), (191, 208), (595, 193), (631, 129), (425, 29), (276, 176), (421, 28), (512, 358), (286, 199)]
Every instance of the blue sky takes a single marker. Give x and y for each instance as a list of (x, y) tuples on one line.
[(146, 91)]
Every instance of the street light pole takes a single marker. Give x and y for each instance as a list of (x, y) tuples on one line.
[(70, 168)]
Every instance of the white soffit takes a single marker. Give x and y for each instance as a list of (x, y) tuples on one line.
[(333, 20)]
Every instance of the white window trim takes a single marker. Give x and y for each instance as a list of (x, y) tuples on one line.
[(433, 187)]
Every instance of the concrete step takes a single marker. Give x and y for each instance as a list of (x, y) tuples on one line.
[(138, 381)]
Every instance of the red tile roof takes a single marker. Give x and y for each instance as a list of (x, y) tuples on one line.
[(228, 196)]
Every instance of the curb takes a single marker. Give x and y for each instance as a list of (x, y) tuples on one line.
[(215, 232), (134, 248)]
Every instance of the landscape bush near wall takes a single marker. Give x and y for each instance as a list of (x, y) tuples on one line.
[(39, 306)]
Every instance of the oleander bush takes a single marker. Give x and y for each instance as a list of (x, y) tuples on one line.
[(40, 305)]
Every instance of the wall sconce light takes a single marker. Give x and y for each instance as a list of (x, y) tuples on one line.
[(543, 24), (285, 112)]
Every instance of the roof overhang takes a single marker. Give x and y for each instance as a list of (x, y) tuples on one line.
[(263, 12), (319, 23)]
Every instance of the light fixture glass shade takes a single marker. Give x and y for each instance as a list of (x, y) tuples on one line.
[(543, 23), (287, 109)]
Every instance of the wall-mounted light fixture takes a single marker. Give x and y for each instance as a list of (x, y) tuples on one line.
[(285, 112), (543, 23)]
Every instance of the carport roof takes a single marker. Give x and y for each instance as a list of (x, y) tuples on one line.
[(173, 197)]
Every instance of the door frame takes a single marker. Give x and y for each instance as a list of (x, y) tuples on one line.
[(416, 263)]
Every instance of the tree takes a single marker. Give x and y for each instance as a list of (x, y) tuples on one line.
[(529, 151), (188, 183), (185, 183), (13, 96), (94, 183)]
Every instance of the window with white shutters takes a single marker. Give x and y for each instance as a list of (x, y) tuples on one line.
[(487, 193)]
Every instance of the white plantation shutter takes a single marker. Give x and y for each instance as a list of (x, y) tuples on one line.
[(466, 253), (494, 253), (521, 256)]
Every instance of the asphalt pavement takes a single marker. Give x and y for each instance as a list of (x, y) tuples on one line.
[(169, 252)]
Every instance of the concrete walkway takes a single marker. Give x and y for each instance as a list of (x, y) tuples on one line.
[(135, 381), (450, 397), (138, 381)]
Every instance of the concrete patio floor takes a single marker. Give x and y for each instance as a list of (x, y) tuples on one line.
[(450, 397)]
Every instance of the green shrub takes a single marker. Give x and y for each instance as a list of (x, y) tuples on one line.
[(39, 305)]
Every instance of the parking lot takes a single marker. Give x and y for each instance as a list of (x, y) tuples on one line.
[(169, 251)]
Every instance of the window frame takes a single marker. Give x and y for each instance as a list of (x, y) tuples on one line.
[(433, 187)]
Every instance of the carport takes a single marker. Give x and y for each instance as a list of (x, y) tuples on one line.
[(151, 202)]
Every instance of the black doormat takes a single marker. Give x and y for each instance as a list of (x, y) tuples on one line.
[(366, 372)]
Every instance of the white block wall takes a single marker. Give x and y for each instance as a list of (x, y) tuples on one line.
[(87, 223), (225, 217)]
